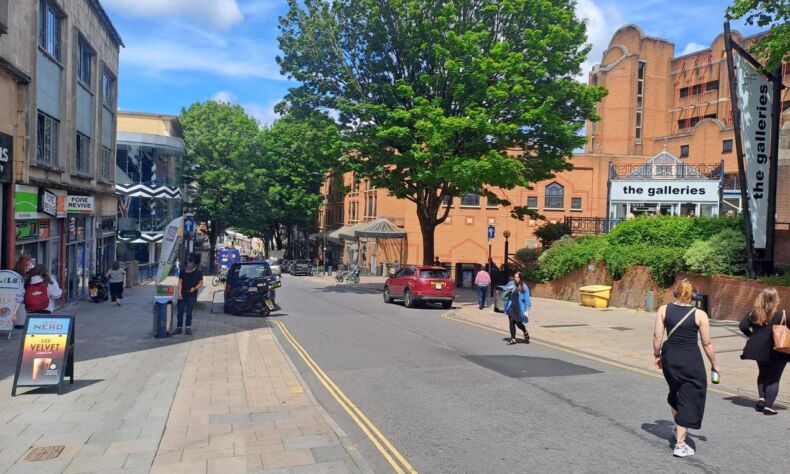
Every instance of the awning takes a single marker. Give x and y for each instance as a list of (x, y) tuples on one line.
[(336, 235), (381, 228)]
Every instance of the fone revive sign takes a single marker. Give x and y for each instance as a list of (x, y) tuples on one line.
[(79, 204), (699, 191)]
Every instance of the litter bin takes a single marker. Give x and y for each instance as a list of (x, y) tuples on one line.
[(163, 319), (596, 296), (701, 301)]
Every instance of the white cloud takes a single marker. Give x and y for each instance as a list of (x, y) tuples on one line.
[(692, 48), (221, 14), (600, 28), (265, 115), (224, 96)]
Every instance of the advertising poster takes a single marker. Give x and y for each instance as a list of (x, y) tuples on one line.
[(6, 157), (10, 284), (79, 204), (25, 202), (45, 351), (174, 233)]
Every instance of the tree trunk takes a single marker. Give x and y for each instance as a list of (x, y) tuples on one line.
[(428, 230), (278, 238)]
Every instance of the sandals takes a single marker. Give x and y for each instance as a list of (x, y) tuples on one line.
[(511, 342)]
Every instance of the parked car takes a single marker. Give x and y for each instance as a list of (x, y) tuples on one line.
[(240, 272), (285, 266), (275, 266), (415, 284), (301, 267)]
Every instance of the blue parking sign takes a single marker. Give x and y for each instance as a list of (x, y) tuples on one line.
[(189, 226), (491, 230)]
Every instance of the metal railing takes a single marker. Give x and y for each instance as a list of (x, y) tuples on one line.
[(591, 225), (665, 171)]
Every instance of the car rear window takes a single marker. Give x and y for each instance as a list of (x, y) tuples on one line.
[(254, 271), (434, 274)]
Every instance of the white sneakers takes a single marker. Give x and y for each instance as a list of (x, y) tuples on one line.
[(683, 450)]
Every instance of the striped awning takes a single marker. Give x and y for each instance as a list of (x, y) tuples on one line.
[(143, 190), (145, 238)]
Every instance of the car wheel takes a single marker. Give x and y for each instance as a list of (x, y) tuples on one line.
[(447, 304), (387, 297), (408, 301), (237, 311)]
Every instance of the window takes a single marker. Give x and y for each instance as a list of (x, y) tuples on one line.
[(105, 165), (712, 86), (640, 90), (576, 204), (555, 196), (726, 146), (47, 140), (470, 200), (684, 92), (684, 151), (83, 153), (353, 212), (370, 205), (49, 29), (532, 202), (108, 90), (354, 183), (84, 62), (447, 201), (696, 89)]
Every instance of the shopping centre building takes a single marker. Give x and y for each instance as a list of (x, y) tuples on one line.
[(58, 92), (664, 145)]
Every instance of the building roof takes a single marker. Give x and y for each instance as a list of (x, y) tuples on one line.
[(106, 22)]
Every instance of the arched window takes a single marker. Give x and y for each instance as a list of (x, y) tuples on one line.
[(555, 196)]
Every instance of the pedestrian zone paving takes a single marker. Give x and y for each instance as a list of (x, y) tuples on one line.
[(226, 399)]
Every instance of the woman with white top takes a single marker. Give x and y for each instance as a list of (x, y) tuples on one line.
[(38, 286)]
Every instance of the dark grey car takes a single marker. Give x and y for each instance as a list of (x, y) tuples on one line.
[(301, 267)]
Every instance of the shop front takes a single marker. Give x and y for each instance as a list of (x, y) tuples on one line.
[(80, 242), (38, 225), (665, 185)]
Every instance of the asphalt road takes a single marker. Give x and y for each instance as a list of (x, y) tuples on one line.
[(456, 399)]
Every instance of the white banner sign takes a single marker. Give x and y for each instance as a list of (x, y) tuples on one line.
[(170, 242), (79, 204), (696, 191), (755, 103)]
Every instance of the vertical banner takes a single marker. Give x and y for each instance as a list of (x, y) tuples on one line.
[(174, 234), (755, 105), (47, 352)]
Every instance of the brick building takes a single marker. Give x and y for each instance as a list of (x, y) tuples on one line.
[(665, 117)]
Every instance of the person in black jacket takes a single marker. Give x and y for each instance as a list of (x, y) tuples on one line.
[(760, 347)]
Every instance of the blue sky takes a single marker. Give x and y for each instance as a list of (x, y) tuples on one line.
[(183, 51)]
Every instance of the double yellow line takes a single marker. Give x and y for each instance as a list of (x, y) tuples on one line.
[(393, 457)]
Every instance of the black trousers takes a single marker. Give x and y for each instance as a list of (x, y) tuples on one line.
[(116, 291), (513, 325), (187, 303), (768, 378)]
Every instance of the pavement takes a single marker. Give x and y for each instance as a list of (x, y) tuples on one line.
[(226, 399)]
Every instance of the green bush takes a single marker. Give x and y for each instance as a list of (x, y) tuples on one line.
[(670, 231), (780, 280), (526, 256), (568, 254), (724, 253), (551, 232)]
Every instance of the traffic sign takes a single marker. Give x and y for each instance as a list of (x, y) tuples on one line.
[(189, 226), (491, 230)]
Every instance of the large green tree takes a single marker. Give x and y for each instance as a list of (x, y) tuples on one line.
[(219, 147), (434, 95), (774, 14)]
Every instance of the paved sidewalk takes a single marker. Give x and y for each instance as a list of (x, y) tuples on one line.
[(224, 400), (620, 335)]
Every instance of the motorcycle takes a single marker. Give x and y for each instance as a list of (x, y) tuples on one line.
[(349, 275), (255, 295), (98, 287)]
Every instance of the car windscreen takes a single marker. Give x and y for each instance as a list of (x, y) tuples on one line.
[(254, 271), (434, 274)]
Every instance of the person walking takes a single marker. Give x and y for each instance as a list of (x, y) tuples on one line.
[(23, 265), (41, 291), (680, 360), (190, 284), (117, 276), (482, 282), (760, 347), (517, 308)]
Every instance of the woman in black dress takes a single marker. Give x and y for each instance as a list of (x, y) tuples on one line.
[(760, 347), (681, 361)]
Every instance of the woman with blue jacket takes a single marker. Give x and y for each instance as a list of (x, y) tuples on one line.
[(517, 308)]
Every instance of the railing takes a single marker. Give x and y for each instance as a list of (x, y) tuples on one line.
[(591, 225), (665, 171), (731, 182), (148, 271)]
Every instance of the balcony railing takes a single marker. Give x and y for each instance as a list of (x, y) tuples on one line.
[(665, 171), (591, 225)]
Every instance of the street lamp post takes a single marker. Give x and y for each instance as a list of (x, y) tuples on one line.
[(506, 234), (326, 202)]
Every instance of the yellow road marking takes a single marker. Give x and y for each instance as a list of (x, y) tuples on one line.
[(390, 453), (579, 354)]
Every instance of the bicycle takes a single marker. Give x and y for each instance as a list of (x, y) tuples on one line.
[(348, 276), (220, 276)]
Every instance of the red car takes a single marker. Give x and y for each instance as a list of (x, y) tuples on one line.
[(415, 284)]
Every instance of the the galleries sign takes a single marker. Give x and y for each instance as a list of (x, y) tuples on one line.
[(700, 191)]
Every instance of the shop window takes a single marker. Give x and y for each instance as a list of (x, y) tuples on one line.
[(555, 196), (47, 140), (576, 204), (726, 146), (83, 153), (532, 202), (470, 200), (684, 151), (85, 59), (49, 29)]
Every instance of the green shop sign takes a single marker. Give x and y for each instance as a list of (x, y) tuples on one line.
[(25, 202)]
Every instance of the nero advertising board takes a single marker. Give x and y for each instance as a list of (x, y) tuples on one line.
[(47, 352), (665, 191)]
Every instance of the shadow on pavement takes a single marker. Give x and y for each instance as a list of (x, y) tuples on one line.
[(749, 403), (664, 429), (520, 367), (361, 289)]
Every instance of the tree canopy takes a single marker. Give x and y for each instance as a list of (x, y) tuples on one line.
[(442, 98), (774, 14)]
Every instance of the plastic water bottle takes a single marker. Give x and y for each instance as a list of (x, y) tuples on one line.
[(715, 377)]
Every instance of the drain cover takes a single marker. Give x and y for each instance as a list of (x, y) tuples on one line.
[(44, 453)]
